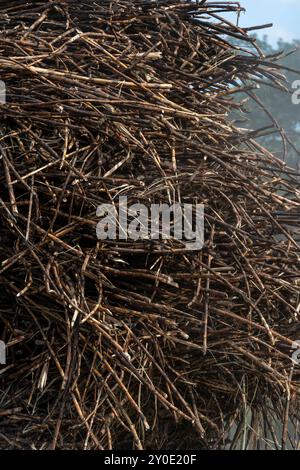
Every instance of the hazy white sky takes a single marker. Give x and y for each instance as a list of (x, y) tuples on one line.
[(285, 14)]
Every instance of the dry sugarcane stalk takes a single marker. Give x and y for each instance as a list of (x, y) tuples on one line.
[(136, 344)]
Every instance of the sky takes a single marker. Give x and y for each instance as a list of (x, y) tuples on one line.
[(284, 14)]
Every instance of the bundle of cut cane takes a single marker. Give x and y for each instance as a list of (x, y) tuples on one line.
[(120, 343)]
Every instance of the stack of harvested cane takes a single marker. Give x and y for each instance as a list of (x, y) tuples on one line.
[(123, 344)]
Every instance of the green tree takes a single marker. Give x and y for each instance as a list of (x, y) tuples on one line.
[(278, 103)]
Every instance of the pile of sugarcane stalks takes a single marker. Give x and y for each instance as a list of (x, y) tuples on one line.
[(141, 344)]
